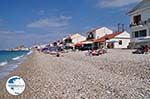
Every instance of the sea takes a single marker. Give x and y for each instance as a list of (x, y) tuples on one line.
[(9, 60)]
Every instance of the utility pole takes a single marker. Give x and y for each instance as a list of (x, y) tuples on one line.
[(123, 28), (118, 27)]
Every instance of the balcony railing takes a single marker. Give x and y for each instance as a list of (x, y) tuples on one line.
[(143, 23)]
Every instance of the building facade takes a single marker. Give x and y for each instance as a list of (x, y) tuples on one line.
[(140, 24), (75, 38), (121, 40), (98, 33)]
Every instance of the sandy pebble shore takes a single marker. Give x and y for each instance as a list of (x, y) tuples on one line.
[(115, 75)]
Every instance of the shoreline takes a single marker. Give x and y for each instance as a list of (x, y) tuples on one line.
[(19, 65), (6, 67), (117, 74), (18, 71)]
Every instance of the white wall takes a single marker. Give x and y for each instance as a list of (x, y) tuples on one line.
[(124, 37), (78, 39), (102, 32), (145, 14), (125, 43)]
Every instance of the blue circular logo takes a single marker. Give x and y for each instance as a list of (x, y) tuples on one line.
[(15, 85)]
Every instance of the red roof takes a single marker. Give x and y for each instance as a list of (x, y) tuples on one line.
[(79, 44), (102, 39), (109, 36), (84, 42)]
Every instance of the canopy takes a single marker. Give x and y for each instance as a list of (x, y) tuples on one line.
[(83, 42), (87, 42), (146, 39)]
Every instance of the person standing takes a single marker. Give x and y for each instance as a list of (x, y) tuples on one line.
[(146, 49)]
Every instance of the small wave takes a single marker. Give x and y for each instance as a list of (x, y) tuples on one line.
[(29, 53), (18, 57), (3, 63)]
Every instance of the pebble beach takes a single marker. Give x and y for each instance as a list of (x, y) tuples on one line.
[(118, 74)]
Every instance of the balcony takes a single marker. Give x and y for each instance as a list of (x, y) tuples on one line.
[(140, 23)]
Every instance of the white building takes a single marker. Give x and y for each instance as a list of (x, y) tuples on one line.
[(75, 38), (120, 40), (140, 24), (98, 33)]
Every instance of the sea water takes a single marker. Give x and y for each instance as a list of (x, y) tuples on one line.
[(9, 60)]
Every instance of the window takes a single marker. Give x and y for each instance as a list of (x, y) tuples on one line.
[(143, 33), (90, 36), (68, 40), (137, 19), (136, 34), (148, 20), (120, 42)]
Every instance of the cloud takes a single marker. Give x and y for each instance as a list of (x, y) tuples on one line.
[(52, 22), (116, 3), (11, 39), (41, 12)]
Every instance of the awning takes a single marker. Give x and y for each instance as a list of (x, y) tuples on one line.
[(83, 42), (87, 42), (147, 39)]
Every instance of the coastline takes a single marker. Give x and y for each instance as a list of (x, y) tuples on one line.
[(117, 74), (20, 70), (10, 60)]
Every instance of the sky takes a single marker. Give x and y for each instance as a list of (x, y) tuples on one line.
[(29, 22)]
